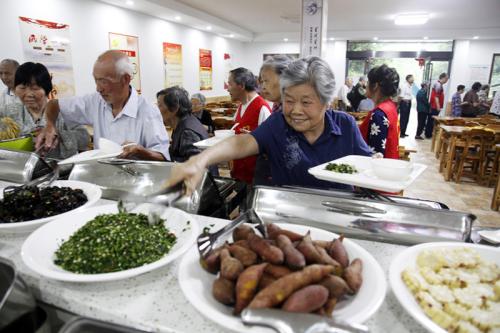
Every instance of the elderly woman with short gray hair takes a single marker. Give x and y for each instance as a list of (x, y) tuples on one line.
[(270, 73), (307, 133), (198, 102)]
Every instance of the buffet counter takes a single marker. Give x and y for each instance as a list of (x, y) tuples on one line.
[(155, 302)]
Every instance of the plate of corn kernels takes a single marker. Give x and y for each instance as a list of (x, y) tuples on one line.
[(449, 287)]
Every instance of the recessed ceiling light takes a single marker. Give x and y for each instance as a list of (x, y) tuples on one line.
[(331, 38), (285, 39), (130, 2), (231, 35), (475, 37), (209, 27), (411, 19), (426, 37), (375, 38), (177, 18)]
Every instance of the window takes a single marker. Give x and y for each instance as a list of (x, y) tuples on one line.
[(495, 74), (400, 46)]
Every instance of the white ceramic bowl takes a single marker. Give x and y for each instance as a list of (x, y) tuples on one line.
[(391, 169), (224, 133)]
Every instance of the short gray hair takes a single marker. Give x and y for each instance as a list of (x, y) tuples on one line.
[(311, 70), (199, 97), (11, 62), (278, 63)]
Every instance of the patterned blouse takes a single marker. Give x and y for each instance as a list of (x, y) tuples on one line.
[(379, 127), (71, 138)]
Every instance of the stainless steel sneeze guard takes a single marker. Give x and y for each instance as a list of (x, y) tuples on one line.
[(20, 166), (407, 221), (139, 178)]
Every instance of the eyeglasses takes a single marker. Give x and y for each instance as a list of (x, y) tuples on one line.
[(105, 81)]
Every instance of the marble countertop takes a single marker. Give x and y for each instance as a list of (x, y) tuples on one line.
[(155, 302)]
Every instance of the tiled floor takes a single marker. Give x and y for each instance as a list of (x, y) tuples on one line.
[(466, 196)]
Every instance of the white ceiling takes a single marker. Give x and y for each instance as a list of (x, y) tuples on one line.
[(272, 20)]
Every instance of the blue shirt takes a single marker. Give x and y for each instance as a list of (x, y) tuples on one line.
[(456, 108), (138, 122), (291, 155)]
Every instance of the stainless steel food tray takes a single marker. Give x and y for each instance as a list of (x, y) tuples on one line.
[(406, 221), (20, 166), (139, 177)]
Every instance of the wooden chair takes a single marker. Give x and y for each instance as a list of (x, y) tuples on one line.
[(495, 202), (475, 144)]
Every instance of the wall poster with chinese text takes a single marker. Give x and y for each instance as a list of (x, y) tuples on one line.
[(130, 46), (228, 66), (172, 64), (49, 43), (205, 69)]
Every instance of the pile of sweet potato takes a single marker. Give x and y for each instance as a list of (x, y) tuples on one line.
[(287, 271)]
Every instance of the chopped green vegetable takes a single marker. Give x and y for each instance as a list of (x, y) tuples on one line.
[(341, 168), (114, 242)]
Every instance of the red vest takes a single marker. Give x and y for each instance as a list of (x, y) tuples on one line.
[(243, 169), (439, 93), (392, 143)]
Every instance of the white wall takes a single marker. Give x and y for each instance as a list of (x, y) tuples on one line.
[(90, 22), (334, 55), (470, 53)]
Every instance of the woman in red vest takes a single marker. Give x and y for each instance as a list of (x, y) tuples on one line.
[(380, 129), (252, 111)]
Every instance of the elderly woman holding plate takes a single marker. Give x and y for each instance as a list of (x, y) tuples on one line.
[(307, 133)]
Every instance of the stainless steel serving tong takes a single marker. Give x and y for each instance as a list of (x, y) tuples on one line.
[(208, 241), (291, 322), (41, 182)]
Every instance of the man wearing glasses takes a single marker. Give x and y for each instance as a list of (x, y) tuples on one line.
[(116, 112)]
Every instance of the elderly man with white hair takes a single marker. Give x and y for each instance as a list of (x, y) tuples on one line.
[(115, 111), (8, 69)]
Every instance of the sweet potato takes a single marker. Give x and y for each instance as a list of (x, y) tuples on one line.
[(280, 289), (266, 280), (246, 286), (230, 267), (338, 252), (322, 243), (337, 287), (267, 252), (325, 257), (211, 263), (329, 306), (223, 291), (242, 232), (246, 256), (273, 231), (307, 248), (277, 271), (353, 275), (293, 257), (307, 299), (242, 243)]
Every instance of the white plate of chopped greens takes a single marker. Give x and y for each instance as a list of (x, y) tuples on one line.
[(358, 171), (95, 244)]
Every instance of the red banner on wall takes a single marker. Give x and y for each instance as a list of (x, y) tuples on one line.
[(205, 69)]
